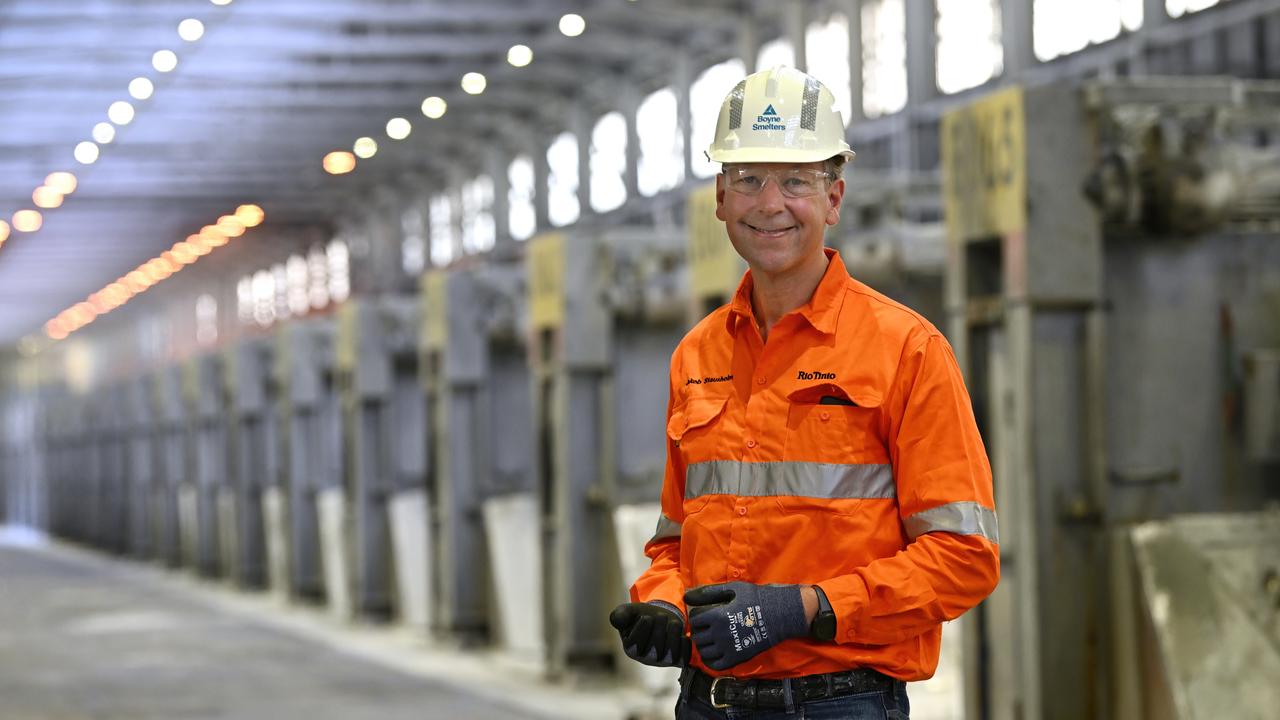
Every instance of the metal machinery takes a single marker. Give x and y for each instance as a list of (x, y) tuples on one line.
[(109, 510), (1101, 345), (311, 447), (140, 464), (254, 447), (484, 517), (171, 462), (383, 410), (206, 473), (606, 310)]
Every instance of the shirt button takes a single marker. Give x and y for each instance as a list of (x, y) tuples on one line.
[(751, 443), (825, 416), (736, 573), (742, 511), (759, 381)]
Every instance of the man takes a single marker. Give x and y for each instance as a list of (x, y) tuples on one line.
[(827, 501)]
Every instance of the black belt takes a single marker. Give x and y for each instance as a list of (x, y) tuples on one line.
[(726, 692)]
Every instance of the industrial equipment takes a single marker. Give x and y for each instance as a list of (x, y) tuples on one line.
[(171, 462), (254, 445), (140, 463), (199, 490)]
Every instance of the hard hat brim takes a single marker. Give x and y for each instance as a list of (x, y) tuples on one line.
[(775, 155)]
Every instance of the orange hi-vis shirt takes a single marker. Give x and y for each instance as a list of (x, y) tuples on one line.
[(843, 453)]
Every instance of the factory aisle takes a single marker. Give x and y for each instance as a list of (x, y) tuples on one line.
[(91, 637)]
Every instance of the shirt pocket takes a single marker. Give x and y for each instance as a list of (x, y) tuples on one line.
[(696, 429), (831, 423)]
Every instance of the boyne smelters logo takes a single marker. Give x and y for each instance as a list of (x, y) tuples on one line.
[(768, 120)]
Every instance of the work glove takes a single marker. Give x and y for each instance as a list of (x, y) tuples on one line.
[(652, 633), (734, 622)]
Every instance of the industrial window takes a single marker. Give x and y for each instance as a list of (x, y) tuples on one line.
[(884, 57), (826, 56), (264, 298), (206, 319), (297, 280), (661, 143), (280, 285), (477, 215), (562, 180), (705, 96), (608, 162), (776, 52), (244, 300), (1061, 27), (339, 271), (317, 277), (1178, 8), (522, 218), (413, 245), (442, 239), (969, 49)]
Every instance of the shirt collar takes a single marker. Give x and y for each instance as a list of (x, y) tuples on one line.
[(821, 311)]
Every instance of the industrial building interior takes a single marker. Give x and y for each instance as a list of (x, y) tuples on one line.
[(333, 336)]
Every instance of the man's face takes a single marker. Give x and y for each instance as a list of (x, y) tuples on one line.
[(773, 232)]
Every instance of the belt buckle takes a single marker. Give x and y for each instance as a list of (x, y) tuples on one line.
[(712, 695)]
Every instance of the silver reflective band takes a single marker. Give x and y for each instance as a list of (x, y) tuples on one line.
[(809, 105), (796, 479), (667, 528), (962, 518), (735, 105)]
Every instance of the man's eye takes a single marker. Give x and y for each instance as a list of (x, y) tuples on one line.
[(749, 180), (798, 183)]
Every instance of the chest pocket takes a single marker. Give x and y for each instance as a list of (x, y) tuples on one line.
[(831, 423), (692, 424)]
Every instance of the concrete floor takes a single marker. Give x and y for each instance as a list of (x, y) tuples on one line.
[(87, 637)]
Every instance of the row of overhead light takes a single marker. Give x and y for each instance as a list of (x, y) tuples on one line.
[(120, 113), (156, 269), (340, 162)]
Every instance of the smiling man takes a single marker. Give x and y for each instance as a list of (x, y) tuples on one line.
[(828, 504)]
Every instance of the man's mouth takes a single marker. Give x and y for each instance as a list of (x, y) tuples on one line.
[(769, 230)]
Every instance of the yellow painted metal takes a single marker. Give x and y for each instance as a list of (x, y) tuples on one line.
[(984, 163), (546, 269), (435, 310), (348, 335), (714, 267)]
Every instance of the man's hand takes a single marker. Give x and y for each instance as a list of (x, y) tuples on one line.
[(734, 622), (651, 634)]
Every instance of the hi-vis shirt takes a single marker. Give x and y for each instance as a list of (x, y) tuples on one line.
[(844, 454)]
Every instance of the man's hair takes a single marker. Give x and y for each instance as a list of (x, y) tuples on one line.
[(835, 166)]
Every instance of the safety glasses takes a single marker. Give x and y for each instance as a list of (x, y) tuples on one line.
[(793, 182)]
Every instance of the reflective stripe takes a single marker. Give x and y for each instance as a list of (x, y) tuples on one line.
[(809, 105), (735, 105), (963, 518), (798, 479), (667, 528)]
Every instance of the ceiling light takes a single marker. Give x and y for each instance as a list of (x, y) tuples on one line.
[(141, 88), (220, 2), (339, 162), (231, 226), (27, 221), (4, 231), (191, 29), (250, 215), (398, 129), (104, 132), (46, 197), (63, 182), (572, 24), (164, 60), (473, 83), (365, 148), (434, 107), (520, 55), (120, 112), (86, 153)]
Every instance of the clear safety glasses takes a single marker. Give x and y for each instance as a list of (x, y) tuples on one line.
[(793, 182)]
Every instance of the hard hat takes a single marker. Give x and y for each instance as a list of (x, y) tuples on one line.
[(779, 115)]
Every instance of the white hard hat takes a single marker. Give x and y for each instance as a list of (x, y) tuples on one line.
[(779, 115)]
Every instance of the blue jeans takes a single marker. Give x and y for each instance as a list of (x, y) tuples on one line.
[(887, 705)]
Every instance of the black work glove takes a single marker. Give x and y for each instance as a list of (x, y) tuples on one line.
[(734, 622), (652, 634)]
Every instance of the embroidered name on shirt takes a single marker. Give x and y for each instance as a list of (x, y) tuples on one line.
[(815, 375), (709, 380)]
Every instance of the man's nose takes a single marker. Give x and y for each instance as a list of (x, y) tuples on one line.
[(771, 196)]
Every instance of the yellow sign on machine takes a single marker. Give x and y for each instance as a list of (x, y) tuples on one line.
[(714, 268), (435, 309), (984, 161), (546, 260), (348, 327)]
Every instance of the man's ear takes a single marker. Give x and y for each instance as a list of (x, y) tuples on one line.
[(720, 197), (835, 194)]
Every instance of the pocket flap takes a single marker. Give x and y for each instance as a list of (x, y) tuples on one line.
[(694, 413), (835, 394)]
